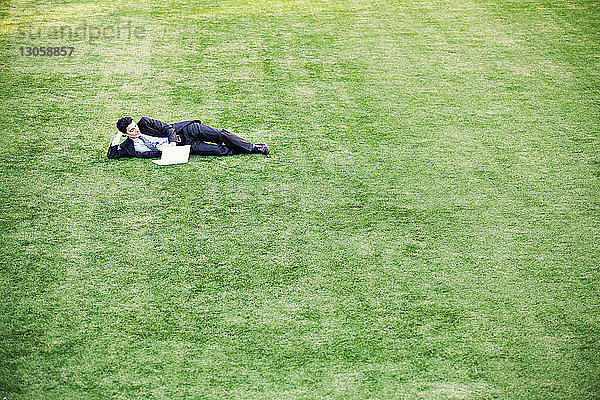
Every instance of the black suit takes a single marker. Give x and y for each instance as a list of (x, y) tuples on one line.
[(183, 133)]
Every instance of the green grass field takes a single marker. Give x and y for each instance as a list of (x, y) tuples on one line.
[(425, 227)]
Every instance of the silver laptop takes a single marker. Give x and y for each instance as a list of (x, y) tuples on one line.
[(174, 155)]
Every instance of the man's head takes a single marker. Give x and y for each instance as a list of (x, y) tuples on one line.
[(127, 126)]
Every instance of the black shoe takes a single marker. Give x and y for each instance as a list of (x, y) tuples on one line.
[(261, 148)]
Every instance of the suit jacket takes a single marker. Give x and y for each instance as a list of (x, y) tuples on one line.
[(150, 127)]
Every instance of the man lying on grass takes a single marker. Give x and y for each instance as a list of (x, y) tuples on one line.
[(146, 139)]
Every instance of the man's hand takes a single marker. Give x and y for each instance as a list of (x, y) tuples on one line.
[(117, 139)]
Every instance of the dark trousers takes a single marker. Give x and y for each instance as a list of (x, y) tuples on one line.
[(222, 142)]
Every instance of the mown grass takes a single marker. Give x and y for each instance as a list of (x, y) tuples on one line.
[(426, 225)]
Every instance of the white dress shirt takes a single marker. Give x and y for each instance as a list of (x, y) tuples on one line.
[(141, 147)]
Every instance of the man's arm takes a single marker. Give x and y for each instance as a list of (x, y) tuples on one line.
[(166, 130), (148, 154), (116, 150)]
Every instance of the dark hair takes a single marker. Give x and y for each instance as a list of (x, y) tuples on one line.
[(123, 123)]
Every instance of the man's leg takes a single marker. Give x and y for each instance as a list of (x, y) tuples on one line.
[(200, 132), (207, 149)]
